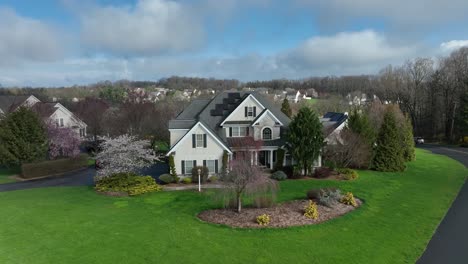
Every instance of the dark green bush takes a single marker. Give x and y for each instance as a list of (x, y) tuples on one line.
[(130, 183), (53, 167), (203, 175), (279, 176), (186, 180), (166, 178)]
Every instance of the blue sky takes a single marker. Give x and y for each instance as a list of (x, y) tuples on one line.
[(67, 42)]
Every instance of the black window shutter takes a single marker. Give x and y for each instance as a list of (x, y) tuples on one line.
[(183, 166), (204, 140), (204, 163), (247, 131), (255, 111), (194, 141), (230, 132), (194, 163), (246, 109), (216, 166)]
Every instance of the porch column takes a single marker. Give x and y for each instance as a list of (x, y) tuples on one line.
[(252, 157), (256, 158), (271, 159)]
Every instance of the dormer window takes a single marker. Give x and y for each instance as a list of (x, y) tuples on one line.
[(266, 134)]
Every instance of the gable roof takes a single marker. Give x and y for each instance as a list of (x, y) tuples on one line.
[(332, 121), (44, 110), (8, 103), (263, 114)]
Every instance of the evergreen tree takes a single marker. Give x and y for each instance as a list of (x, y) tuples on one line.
[(408, 140), (389, 152), (359, 124), (286, 108), (22, 138), (305, 138)]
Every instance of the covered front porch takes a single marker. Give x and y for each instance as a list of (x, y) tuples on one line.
[(265, 158)]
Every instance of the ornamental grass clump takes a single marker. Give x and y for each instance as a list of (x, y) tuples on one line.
[(348, 199), (263, 220), (311, 210)]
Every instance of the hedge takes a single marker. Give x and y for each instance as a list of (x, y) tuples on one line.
[(53, 167)]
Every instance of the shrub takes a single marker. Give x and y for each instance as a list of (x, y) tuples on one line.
[(279, 159), (325, 196), (172, 167), (311, 210), (348, 199), (213, 178), (166, 178), (289, 171), (323, 172), (263, 201), (279, 176), (263, 220), (130, 183), (348, 174), (203, 175), (53, 167), (187, 180)]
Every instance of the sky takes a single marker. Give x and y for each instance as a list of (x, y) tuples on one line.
[(74, 42)]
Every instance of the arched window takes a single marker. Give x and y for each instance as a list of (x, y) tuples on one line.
[(266, 134)]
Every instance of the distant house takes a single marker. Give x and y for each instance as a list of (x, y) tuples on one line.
[(53, 112), (231, 122), (333, 123)]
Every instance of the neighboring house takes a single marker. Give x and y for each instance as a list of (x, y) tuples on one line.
[(234, 122), (52, 112), (332, 124)]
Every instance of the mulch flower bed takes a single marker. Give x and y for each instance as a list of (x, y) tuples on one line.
[(282, 215)]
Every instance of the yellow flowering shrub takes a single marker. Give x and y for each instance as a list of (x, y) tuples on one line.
[(311, 210)]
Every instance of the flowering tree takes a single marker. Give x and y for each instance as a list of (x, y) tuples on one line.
[(124, 154), (63, 141)]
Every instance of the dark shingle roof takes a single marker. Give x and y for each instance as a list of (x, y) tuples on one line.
[(332, 120), (8, 103), (44, 110)]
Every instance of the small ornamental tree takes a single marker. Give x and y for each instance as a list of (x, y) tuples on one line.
[(305, 138), (124, 154), (172, 167), (389, 152), (408, 140), (246, 179), (22, 138), (286, 108), (63, 141)]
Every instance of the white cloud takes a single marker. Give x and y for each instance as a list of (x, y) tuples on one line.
[(26, 39), (452, 45), (347, 53), (150, 27)]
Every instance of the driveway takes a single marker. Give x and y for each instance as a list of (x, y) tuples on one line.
[(449, 245), (78, 178)]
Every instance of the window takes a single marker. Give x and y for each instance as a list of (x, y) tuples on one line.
[(210, 164), (266, 135), (250, 111), (188, 167), (199, 141), (239, 131), (61, 122)]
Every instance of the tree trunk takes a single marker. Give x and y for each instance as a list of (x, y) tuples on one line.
[(239, 203)]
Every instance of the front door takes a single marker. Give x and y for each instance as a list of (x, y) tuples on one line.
[(264, 158)]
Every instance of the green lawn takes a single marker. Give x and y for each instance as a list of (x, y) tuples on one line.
[(75, 225), (6, 173)]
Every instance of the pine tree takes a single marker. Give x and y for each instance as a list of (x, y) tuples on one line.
[(359, 123), (408, 140), (22, 138), (286, 108), (305, 138), (389, 152)]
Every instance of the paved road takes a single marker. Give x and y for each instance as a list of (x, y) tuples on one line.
[(449, 245), (78, 178)]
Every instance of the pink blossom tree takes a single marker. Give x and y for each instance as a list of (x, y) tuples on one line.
[(63, 141), (124, 154)]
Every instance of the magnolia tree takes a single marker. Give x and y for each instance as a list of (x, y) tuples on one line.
[(63, 141), (124, 154)]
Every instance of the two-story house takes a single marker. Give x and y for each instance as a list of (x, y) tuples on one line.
[(207, 128), (51, 112)]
